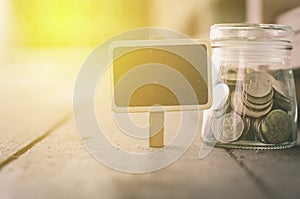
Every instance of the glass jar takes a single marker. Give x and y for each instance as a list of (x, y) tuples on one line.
[(254, 99)]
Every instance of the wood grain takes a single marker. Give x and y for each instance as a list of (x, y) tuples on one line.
[(60, 167), (35, 98), (275, 171)]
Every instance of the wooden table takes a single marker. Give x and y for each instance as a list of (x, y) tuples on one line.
[(41, 155)]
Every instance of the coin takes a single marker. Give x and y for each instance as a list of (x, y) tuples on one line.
[(259, 100), (277, 74), (248, 133), (230, 82), (256, 106), (281, 97), (228, 128), (282, 102), (276, 127), (282, 105), (257, 128), (232, 73), (257, 84), (238, 105), (221, 111), (280, 88), (247, 122), (220, 96), (278, 105), (220, 100)]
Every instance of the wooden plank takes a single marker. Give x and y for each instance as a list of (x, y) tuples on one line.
[(275, 171), (27, 115), (34, 97), (60, 167)]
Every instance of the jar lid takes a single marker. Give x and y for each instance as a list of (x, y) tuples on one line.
[(245, 31)]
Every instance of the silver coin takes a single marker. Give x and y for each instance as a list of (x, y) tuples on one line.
[(257, 128), (221, 111), (277, 127), (282, 98), (257, 84), (282, 105), (282, 101), (259, 100), (248, 133), (279, 87), (238, 105), (228, 128), (257, 107), (220, 96), (232, 73), (247, 122)]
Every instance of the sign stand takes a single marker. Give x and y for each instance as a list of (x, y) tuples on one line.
[(156, 129)]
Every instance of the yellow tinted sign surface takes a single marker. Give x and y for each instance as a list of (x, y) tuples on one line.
[(159, 63)]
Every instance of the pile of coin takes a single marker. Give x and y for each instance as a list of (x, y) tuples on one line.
[(281, 99), (256, 98), (258, 109)]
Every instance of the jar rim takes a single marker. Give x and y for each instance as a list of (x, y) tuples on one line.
[(251, 25), (251, 31)]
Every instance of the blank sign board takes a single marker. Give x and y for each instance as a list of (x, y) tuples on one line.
[(174, 74)]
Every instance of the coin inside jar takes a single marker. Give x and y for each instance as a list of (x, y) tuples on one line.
[(282, 102), (228, 128), (257, 84), (247, 134), (259, 100), (232, 73), (279, 87), (257, 129), (220, 98), (276, 127), (257, 106), (238, 105)]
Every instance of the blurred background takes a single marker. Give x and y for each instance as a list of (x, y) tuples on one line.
[(81, 23), (85, 23), (49, 39)]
